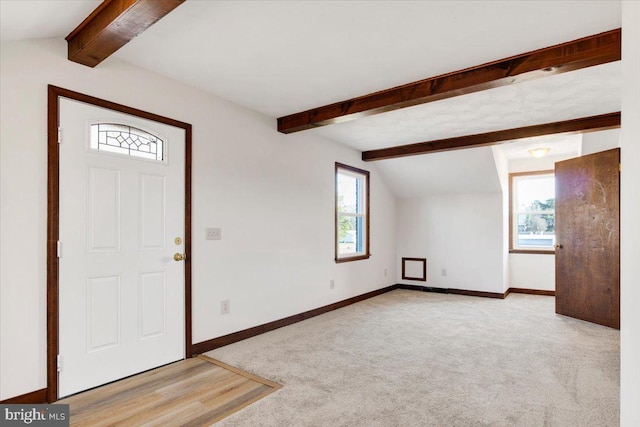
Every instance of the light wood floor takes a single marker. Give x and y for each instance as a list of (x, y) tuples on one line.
[(192, 392)]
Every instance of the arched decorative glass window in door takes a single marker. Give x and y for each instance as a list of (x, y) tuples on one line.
[(127, 140)]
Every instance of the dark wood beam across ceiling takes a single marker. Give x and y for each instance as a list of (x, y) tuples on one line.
[(582, 125), (112, 25), (574, 55)]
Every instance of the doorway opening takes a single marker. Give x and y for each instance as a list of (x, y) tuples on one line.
[(55, 96)]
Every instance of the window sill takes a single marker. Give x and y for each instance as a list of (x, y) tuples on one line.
[(532, 251), (352, 258)]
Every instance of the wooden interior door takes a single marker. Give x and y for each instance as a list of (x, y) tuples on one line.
[(588, 238)]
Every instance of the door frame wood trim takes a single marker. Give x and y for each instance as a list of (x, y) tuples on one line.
[(53, 218), (32, 398)]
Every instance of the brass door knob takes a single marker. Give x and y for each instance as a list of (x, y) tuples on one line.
[(557, 246), (179, 257)]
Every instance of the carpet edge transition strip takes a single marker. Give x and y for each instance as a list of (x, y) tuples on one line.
[(258, 394), (241, 372)]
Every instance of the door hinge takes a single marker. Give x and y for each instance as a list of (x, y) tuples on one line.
[(59, 248), (59, 363), (619, 167), (59, 135)]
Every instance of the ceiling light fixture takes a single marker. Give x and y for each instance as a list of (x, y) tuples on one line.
[(539, 152)]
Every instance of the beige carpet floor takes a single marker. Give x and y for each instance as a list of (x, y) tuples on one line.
[(409, 358)]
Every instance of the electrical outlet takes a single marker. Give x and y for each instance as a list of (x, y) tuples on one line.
[(332, 284), (214, 234), (444, 272), (225, 307), (385, 272)]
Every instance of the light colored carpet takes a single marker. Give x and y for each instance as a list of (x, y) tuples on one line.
[(409, 358)]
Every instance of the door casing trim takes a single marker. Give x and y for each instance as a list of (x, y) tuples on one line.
[(53, 219)]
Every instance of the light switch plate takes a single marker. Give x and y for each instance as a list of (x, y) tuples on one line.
[(214, 234)]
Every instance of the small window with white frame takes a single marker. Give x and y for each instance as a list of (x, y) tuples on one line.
[(532, 217), (352, 213)]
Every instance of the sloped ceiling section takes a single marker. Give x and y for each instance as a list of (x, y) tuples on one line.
[(466, 171)]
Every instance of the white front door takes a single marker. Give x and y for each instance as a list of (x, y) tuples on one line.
[(121, 293)]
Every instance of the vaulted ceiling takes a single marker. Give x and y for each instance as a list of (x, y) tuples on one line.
[(282, 57)]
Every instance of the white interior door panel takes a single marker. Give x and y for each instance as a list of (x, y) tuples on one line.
[(121, 293)]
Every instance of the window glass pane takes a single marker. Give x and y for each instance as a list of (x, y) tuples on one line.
[(536, 230), (126, 140), (347, 235), (347, 193), (536, 194), (534, 211), (351, 235)]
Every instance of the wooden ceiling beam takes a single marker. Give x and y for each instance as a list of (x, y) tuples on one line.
[(582, 125), (112, 25), (585, 52)]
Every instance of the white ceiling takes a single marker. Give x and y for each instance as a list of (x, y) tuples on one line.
[(587, 92), (281, 57), (558, 145), (40, 19)]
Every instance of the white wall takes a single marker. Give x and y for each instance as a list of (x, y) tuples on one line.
[(461, 233), (629, 224), (502, 169), (595, 142), (532, 271), (271, 194)]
